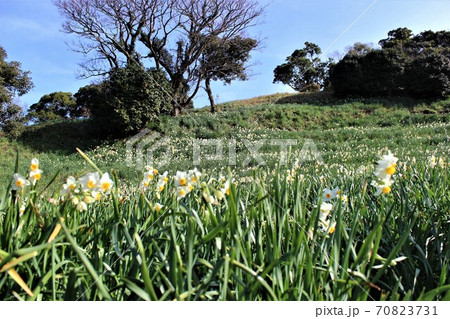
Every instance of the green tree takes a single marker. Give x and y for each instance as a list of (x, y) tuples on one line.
[(303, 69), (359, 49), (55, 106), (428, 75), (127, 101), (407, 64), (225, 61), (396, 38), (13, 81)]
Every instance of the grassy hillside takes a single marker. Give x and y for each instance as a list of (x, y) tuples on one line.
[(409, 127)]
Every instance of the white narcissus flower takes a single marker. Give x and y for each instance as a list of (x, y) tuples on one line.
[(382, 187), (325, 210), (105, 183), (328, 226), (151, 170), (149, 176), (19, 182), (145, 185), (162, 181), (158, 207), (182, 192), (160, 186), (194, 175), (181, 179), (96, 195), (35, 176), (329, 194), (226, 188), (88, 199), (89, 181), (163, 178), (34, 166), (432, 161), (75, 201), (81, 206), (70, 185), (386, 166)]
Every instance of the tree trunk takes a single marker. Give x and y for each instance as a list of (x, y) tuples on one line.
[(176, 105), (210, 95), (176, 108)]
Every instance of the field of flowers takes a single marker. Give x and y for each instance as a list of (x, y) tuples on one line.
[(370, 220), (309, 232)]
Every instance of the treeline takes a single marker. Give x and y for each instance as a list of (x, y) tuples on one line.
[(404, 65)]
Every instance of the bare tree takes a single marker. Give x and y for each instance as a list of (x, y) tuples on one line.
[(109, 30), (174, 33)]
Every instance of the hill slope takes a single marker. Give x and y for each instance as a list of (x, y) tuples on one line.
[(338, 129)]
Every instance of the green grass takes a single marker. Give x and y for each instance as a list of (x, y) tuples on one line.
[(262, 241), (342, 125)]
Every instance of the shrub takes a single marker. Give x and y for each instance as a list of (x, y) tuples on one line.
[(127, 101), (417, 66), (12, 120), (13, 81), (428, 76), (55, 106)]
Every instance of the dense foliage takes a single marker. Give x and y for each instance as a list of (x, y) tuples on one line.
[(13, 81), (55, 106), (225, 61), (303, 70), (128, 100), (417, 66)]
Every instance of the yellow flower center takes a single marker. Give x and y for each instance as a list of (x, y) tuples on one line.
[(158, 208), (98, 196), (166, 179), (182, 192), (191, 187), (19, 183), (146, 184), (228, 191), (155, 171), (386, 190), (91, 184), (183, 181), (332, 229), (194, 179), (339, 192), (328, 195), (34, 167), (161, 188), (37, 176), (391, 169), (71, 186), (106, 186)]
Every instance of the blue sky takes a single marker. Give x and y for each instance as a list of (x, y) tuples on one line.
[(30, 33)]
